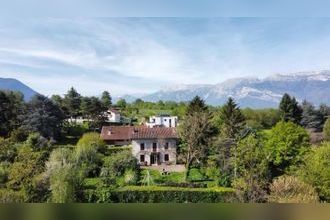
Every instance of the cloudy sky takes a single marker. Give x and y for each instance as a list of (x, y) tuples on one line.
[(140, 55)]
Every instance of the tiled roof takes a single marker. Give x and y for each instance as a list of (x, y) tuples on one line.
[(153, 133), (116, 132), (141, 132)]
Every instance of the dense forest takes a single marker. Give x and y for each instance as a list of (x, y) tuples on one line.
[(230, 154)]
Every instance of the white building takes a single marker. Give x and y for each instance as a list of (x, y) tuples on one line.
[(113, 115), (163, 121)]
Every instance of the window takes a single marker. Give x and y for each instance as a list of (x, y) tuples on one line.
[(154, 147), (166, 145), (142, 146), (142, 158), (166, 157), (170, 122)]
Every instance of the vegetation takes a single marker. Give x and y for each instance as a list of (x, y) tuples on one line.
[(230, 154)]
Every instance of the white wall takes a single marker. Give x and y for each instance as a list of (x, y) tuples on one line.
[(148, 143), (166, 121)]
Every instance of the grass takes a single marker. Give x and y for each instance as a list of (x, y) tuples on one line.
[(173, 177)]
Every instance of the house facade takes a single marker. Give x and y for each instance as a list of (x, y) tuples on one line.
[(163, 120), (154, 146), (151, 146)]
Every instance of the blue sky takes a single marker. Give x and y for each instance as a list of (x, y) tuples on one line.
[(139, 55)]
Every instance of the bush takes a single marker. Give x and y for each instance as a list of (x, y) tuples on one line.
[(316, 170), (117, 164), (158, 194), (19, 135), (195, 174), (93, 140), (326, 130), (116, 150), (37, 142), (289, 189), (4, 171), (11, 196), (8, 150)]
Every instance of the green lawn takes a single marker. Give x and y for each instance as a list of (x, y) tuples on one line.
[(169, 188)]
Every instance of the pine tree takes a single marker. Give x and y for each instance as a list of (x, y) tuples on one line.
[(311, 117), (196, 105), (106, 100), (233, 120), (72, 101), (289, 109)]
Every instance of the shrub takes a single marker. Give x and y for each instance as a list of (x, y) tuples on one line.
[(8, 150), (4, 171), (158, 194), (117, 164), (195, 175), (289, 189), (316, 170), (11, 196), (19, 135), (28, 164), (37, 142), (92, 140), (326, 130)]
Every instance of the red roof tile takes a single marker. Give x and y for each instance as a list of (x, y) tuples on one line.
[(141, 132)]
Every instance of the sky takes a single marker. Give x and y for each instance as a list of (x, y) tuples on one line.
[(135, 55)]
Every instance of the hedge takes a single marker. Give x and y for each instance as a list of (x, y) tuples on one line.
[(111, 150), (161, 194)]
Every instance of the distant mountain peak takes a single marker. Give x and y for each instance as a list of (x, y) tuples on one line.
[(253, 92), (16, 85)]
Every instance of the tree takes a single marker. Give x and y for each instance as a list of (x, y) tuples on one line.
[(286, 144), (326, 130), (72, 101), (311, 118), (289, 109), (12, 109), (232, 120), (315, 170), (121, 103), (289, 189), (44, 116), (196, 105), (195, 132), (63, 174), (106, 100), (250, 169)]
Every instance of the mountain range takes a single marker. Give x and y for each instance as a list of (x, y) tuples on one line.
[(15, 85), (251, 92), (265, 92)]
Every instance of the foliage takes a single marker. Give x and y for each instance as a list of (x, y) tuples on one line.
[(37, 142), (44, 117), (72, 102), (8, 150), (286, 144), (195, 132), (250, 169), (4, 171), (11, 110), (289, 109), (11, 196), (87, 153), (311, 117), (116, 165), (315, 170), (289, 189), (63, 176), (27, 164), (106, 100), (158, 194), (261, 118), (121, 103), (19, 135), (326, 130), (232, 120)]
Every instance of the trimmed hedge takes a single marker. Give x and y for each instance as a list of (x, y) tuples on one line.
[(161, 194)]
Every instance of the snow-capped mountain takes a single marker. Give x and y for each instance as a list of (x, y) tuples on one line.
[(254, 92)]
